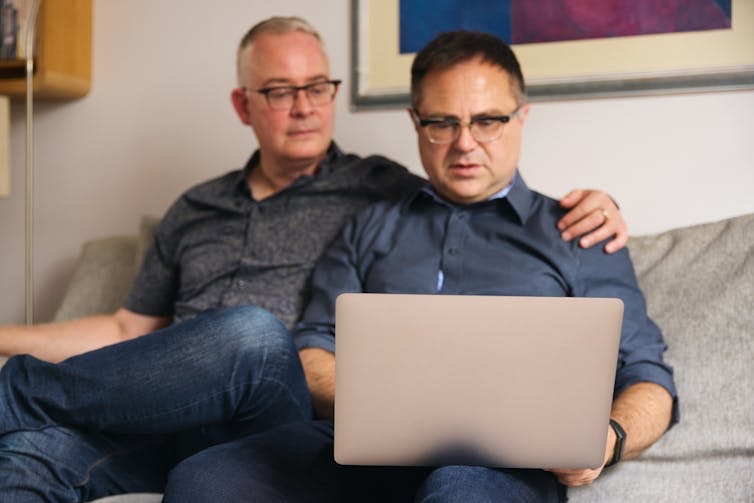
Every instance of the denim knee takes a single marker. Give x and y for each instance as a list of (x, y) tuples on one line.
[(259, 347), (220, 473), (253, 334), (450, 484), (62, 464), (189, 480), (29, 473), (460, 484), (291, 463)]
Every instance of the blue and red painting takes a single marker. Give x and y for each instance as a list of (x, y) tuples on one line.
[(532, 21)]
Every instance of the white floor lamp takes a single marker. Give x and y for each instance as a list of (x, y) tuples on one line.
[(31, 28)]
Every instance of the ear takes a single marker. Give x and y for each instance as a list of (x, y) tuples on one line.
[(524, 113), (240, 104), (414, 121)]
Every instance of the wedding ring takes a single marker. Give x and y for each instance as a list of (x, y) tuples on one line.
[(605, 214)]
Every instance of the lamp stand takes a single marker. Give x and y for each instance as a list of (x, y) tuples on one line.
[(29, 48)]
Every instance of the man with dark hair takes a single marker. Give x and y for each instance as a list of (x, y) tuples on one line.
[(207, 355), (469, 110)]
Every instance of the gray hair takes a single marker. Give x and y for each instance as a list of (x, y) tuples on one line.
[(277, 25)]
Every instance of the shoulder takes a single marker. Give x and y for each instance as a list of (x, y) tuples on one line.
[(545, 212), (382, 211), (377, 219), (216, 194), (539, 213), (214, 189), (378, 174)]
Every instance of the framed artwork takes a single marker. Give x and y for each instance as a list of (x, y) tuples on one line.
[(603, 56)]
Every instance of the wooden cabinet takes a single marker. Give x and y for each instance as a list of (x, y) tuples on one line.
[(63, 63)]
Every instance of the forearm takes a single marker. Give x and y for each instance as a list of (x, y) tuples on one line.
[(319, 368), (55, 342), (644, 411)]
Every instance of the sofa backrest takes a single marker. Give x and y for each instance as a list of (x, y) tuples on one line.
[(699, 285)]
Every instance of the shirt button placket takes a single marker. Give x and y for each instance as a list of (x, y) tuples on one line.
[(453, 249), (247, 252)]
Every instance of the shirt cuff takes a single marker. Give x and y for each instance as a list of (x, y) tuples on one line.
[(648, 372), (315, 340)]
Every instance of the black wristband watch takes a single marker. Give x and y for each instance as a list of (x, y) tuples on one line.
[(620, 439)]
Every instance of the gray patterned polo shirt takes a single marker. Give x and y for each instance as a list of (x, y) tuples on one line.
[(218, 247)]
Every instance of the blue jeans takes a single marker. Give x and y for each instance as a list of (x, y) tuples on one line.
[(294, 464), (117, 419)]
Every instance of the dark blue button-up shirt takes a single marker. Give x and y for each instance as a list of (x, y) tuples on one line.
[(504, 246)]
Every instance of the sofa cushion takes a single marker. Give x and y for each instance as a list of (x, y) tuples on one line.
[(104, 272), (132, 498), (101, 279), (699, 284), (723, 480)]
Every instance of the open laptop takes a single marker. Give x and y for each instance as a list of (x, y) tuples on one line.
[(521, 382)]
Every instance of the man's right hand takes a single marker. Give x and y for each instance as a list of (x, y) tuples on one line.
[(54, 342), (319, 368)]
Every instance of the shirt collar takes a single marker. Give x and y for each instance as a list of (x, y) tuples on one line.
[(517, 194), (331, 161)]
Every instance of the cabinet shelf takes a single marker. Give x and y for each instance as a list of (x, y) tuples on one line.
[(62, 66)]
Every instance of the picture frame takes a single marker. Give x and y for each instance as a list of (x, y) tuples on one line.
[(668, 63)]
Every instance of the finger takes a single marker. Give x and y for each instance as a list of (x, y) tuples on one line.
[(609, 204), (600, 234), (580, 478), (613, 225), (588, 222), (579, 203), (572, 217), (572, 198), (568, 480), (590, 201), (620, 241)]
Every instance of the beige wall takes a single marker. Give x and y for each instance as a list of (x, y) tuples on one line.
[(158, 120)]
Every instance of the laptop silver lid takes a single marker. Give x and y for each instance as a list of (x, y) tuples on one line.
[(453, 379)]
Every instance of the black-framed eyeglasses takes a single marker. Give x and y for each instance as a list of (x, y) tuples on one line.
[(283, 97), (483, 128)]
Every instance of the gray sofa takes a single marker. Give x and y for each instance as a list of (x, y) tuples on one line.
[(699, 284)]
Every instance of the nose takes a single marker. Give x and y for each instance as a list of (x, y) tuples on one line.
[(301, 104), (465, 141)]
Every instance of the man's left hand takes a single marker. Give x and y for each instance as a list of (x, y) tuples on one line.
[(580, 477), (572, 478), (595, 213)]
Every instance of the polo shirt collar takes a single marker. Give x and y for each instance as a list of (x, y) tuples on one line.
[(331, 161)]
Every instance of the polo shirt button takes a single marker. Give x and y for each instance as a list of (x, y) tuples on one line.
[(453, 251)]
